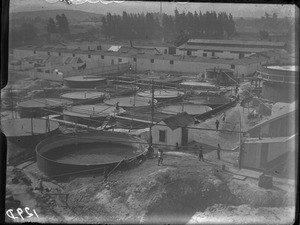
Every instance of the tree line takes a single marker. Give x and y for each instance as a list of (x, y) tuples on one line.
[(60, 26), (181, 26)]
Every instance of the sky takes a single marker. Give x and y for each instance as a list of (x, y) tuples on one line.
[(103, 7)]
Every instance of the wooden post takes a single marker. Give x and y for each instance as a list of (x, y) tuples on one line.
[(152, 113), (31, 122)]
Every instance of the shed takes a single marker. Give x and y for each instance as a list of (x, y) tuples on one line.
[(282, 122), (273, 156), (172, 130)]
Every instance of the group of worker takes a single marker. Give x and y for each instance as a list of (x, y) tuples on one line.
[(200, 155), (201, 158)]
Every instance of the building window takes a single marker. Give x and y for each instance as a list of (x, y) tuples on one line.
[(102, 56), (213, 54), (34, 52), (39, 70), (134, 59), (59, 53), (120, 60), (232, 67), (89, 48), (47, 71), (48, 53), (89, 56), (188, 52), (166, 51), (99, 47), (152, 60), (171, 62), (73, 54), (204, 54), (162, 136)]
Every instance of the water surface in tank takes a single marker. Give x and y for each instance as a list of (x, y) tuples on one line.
[(92, 153)]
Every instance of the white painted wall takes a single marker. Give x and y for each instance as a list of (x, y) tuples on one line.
[(172, 136), (143, 63), (224, 54)]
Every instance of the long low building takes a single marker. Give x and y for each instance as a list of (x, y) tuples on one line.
[(237, 49), (141, 61)]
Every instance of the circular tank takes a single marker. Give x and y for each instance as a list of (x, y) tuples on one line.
[(118, 90), (64, 154), (39, 107), (28, 132), (191, 109), (279, 83), (130, 101), (196, 85), (84, 81), (84, 97), (91, 115), (162, 95)]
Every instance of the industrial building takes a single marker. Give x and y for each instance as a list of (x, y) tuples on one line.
[(270, 145), (140, 59), (235, 49)]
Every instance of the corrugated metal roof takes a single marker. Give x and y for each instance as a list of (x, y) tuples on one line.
[(222, 48), (236, 42), (54, 60), (243, 61), (135, 50), (179, 120)]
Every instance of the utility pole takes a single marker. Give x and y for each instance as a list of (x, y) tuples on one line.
[(241, 142), (152, 112)]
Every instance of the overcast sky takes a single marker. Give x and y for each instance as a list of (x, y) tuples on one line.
[(237, 10)]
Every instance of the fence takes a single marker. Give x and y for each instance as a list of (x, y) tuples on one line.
[(216, 110)]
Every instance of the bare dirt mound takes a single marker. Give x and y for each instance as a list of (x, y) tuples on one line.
[(171, 193)]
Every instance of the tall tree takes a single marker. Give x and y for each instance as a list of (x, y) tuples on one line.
[(51, 27)]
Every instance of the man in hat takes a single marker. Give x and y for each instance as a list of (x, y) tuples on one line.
[(160, 156)]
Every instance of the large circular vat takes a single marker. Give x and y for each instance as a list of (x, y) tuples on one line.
[(27, 132), (197, 85), (279, 83), (130, 101), (61, 155), (91, 115), (118, 90), (191, 109), (84, 81), (162, 94), (39, 107), (84, 97)]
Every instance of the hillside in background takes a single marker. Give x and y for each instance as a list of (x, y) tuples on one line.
[(72, 15)]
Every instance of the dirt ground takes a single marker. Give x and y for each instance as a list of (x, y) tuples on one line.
[(182, 190)]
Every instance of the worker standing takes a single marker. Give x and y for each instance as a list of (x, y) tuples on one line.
[(219, 151), (201, 154), (223, 116), (160, 157), (217, 124)]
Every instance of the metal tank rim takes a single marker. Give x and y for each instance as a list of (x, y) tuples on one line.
[(60, 138)]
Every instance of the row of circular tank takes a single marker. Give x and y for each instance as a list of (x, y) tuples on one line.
[(63, 154)]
